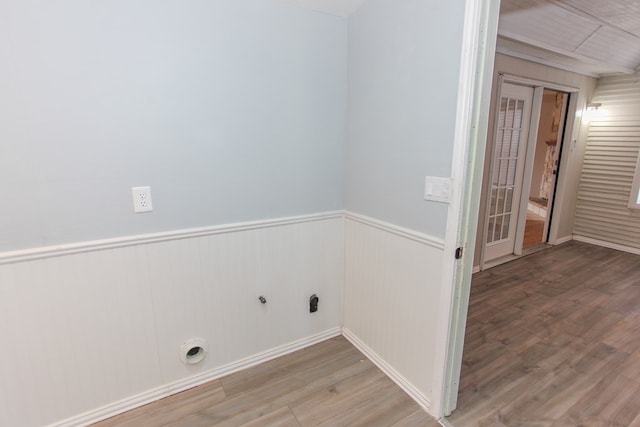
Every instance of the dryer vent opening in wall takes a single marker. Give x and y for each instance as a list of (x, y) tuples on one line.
[(193, 351)]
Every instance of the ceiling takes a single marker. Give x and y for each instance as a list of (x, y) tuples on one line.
[(342, 8), (593, 37)]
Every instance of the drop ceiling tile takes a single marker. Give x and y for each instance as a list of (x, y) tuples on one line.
[(553, 59), (546, 23), (624, 14), (612, 46)]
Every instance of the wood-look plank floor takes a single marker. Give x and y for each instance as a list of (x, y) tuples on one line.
[(328, 384), (553, 339), (533, 230)]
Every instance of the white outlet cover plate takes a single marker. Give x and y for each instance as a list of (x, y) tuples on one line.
[(437, 189), (141, 199)]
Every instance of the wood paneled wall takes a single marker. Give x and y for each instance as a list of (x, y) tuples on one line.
[(392, 287), (609, 164)]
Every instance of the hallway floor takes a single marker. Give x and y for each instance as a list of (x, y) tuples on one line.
[(553, 339)]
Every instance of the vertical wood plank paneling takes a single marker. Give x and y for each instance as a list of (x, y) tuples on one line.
[(391, 298), (89, 329), (609, 164), (83, 336), (212, 292)]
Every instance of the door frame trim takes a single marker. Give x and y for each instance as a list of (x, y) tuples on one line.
[(525, 81), (560, 142), (474, 97)]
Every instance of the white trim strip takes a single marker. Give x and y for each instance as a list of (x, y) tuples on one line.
[(178, 386), (548, 62), (416, 236), (609, 245), (562, 240), (142, 239), (526, 81), (394, 375)]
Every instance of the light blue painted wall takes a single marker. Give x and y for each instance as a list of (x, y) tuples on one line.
[(404, 59), (230, 110)]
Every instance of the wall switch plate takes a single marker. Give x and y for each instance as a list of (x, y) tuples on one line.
[(141, 199), (437, 189)]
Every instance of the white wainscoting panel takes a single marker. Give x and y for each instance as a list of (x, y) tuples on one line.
[(392, 280), (77, 332), (209, 289), (89, 334)]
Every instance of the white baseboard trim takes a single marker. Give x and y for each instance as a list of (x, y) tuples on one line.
[(564, 239), (397, 230), (609, 245), (445, 422), (158, 393), (395, 376), (476, 269), (141, 239)]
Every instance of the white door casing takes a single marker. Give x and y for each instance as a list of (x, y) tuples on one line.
[(478, 54)]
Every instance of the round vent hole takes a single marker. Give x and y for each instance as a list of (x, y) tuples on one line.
[(194, 351)]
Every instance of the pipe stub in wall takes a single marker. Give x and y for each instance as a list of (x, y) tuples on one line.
[(193, 351)]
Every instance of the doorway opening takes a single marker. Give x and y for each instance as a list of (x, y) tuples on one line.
[(529, 129), (545, 169)]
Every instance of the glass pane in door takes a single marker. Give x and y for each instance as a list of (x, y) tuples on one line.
[(505, 165)]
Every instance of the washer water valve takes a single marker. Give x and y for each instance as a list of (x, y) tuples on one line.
[(313, 303)]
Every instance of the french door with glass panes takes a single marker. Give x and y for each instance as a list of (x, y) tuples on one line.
[(507, 168)]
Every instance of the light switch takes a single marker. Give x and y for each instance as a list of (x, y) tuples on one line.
[(437, 189)]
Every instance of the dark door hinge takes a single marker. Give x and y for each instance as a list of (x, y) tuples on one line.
[(459, 252)]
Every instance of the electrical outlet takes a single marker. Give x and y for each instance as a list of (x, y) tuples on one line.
[(141, 199)]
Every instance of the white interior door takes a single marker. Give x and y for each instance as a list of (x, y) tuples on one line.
[(507, 168)]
